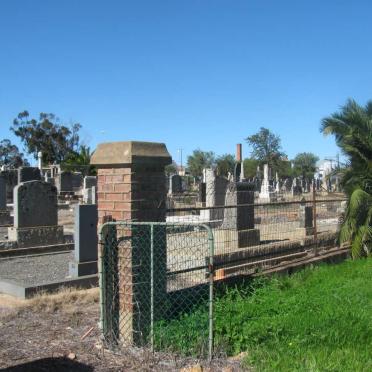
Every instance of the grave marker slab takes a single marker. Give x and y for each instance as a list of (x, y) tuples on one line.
[(5, 218), (237, 230), (64, 181), (90, 181), (35, 215), (2, 193), (175, 184), (86, 241), (25, 174)]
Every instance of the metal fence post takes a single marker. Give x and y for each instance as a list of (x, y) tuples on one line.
[(152, 286), (211, 283), (314, 219), (101, 280)]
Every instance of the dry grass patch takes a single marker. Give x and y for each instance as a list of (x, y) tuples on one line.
[(10, 302), (67, 300)]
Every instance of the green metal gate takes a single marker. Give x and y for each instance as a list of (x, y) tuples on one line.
[(152, 275)]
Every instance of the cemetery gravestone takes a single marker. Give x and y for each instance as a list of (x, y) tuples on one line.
[(89, 195), (215, 191), (2, 193), (5, 218), (175, 184), (267, 193), (86, 241), (202, 192), (76, 180), (11, 180), (306, 219), (64, 182), (90, 181), (237, 229), (35, 215), (28, 174)]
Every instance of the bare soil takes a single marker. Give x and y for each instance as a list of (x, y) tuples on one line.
[(60, 333)]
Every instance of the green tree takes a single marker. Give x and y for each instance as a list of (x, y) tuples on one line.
[(284, 169), (10, 155), (56, 141), (352, 129), (250, 167), (200, 160), (171, 168), (304, 164), (266, 147), (80, 161), (225, 164)]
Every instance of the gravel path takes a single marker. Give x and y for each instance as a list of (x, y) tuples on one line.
[(33, 270)]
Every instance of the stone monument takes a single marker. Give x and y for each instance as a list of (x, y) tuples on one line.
[(237, 229), (28, 174), (305, 215), (5, 218), (86, 241), (267, 193), (35, 215)]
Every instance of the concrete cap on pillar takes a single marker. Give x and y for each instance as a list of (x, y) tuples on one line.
[(130, 152)]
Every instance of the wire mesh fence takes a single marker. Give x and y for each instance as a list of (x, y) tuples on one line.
[(151, 275), (155, 274)]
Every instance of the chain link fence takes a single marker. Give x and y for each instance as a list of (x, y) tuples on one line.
[(158, 275), (153, 274)]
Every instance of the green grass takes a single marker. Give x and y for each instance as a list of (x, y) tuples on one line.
[(316, 320)]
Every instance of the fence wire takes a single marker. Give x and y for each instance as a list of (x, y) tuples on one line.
[(153, 274)]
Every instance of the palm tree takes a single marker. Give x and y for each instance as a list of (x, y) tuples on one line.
[(80, 161), (352, 128)]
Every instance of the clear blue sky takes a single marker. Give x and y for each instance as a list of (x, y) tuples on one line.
[(190, 73)]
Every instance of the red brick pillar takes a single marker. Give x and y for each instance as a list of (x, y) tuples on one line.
[(132, 187), (131, 180)]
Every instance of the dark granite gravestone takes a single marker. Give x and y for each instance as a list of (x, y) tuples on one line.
[(305, 215), (11, 180), (5, 218), (86, 241), (28, 174), (64, 182), (175, 184), (35, 215), (202, 192), (76, 180), (89, 181), (2, 193)]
